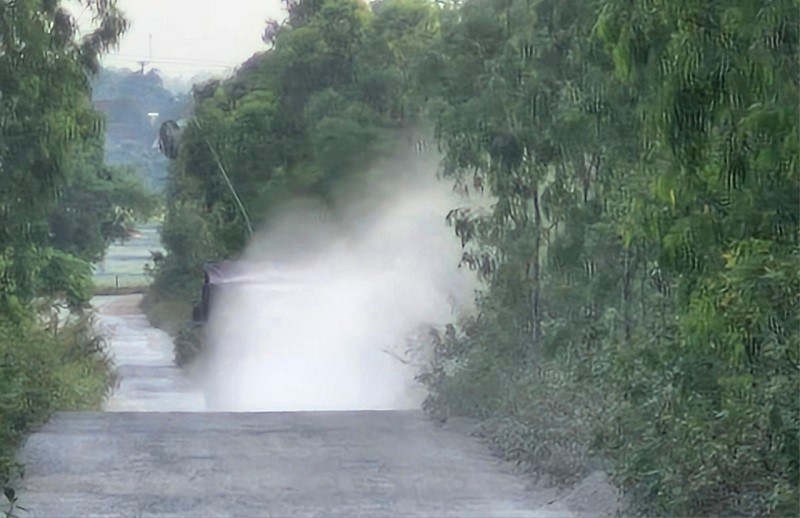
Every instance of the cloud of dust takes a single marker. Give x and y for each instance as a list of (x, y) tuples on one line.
[(328, 325)]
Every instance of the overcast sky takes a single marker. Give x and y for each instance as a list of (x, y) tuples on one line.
[(191, 36)]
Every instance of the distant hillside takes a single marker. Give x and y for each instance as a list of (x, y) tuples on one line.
[(135, 104)]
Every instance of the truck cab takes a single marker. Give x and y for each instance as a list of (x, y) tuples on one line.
[(217, 275), (221, 276)]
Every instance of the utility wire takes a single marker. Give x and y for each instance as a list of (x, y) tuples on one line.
[(178, 61), (218, 160)]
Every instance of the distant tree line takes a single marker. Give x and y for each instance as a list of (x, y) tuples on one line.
[(127, 99)]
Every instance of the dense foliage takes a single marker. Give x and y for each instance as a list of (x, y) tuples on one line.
[(642, 254), (298, 121), (60, 206), (641, 251)]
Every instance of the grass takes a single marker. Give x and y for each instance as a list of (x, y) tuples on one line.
[(124, 265), (127, 290), (170, 314)]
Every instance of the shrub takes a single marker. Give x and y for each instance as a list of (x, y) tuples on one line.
[(43, 371)]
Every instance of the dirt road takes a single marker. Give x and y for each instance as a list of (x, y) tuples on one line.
[(155, 453)]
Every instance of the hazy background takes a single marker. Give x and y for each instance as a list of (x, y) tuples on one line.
[(189, 36)]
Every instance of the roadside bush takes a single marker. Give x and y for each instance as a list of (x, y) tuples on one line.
[(682, 433), (178, 277), (189, 343), (541, 415), (43, 371), (189, 239)]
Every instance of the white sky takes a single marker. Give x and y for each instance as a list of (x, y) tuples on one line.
[(190, 36)]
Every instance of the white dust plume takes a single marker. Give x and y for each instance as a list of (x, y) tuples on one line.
[(325, 321)]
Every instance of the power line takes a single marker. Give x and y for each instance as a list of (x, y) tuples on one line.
[(186, 60), (173, 61)]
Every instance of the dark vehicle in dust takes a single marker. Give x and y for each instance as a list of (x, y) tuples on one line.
[(222, 277)]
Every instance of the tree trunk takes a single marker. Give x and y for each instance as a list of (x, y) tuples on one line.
[(535, 273), (626, 291)]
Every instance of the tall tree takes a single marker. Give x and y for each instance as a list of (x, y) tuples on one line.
[(643, 158), (45, 116)]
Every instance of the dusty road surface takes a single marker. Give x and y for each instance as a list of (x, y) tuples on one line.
[(278, 464), (153, 453), (149, 380)]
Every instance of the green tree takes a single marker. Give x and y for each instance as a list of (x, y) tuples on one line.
[(719, 149), (301, 121), (45, 115), (49, 152)]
